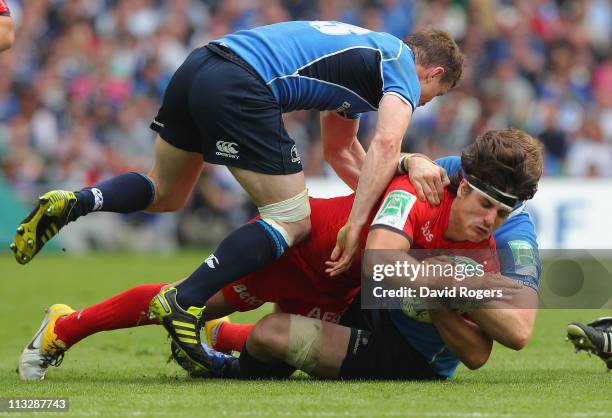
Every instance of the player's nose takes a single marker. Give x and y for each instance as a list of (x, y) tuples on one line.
[(489, 218)]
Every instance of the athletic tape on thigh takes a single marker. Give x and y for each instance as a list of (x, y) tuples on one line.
[(291, 210), (305, 336)]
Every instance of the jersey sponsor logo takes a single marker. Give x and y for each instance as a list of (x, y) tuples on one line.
[(426, 231), (326, 316), (337, 28), (246, 297), (211, 261), (98, 199), (395, 209), (227, 149), (295, 155)]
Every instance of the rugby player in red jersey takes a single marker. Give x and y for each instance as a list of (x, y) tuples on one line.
[(298, 282)]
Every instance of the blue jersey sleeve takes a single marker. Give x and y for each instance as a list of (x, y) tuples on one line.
[(400, 77), (518, 250), (451, 164)]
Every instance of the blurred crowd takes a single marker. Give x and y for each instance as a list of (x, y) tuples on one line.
[(85, 77)]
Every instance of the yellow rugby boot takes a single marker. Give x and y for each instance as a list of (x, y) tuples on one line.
[(44, 349), (182, 325), (42, 224)]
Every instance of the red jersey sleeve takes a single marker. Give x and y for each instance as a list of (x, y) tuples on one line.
[(4, 9), (399, 208)]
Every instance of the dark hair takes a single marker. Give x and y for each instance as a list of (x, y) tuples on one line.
[(435, 47), (508, 159)]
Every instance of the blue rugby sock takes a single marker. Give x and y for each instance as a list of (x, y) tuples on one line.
[(244, 251), (125, 193)]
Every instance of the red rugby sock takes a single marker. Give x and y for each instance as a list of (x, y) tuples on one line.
[(232, 337), (125, 310)]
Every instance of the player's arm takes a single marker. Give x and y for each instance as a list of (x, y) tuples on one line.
[(463, 337), (511, 327), (379, 166), (341, 148), (7, 35), (511, 322)]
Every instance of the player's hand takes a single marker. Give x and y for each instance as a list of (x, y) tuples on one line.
[(428, 178), (343, 254)]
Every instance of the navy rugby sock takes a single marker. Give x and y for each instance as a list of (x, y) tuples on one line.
[(125, 193), (244, 251), (249, 367)]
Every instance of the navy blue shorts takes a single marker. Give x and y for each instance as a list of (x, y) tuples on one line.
[(222, 109), (377, 350)]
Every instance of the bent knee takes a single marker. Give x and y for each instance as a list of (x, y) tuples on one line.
[(270, 334)]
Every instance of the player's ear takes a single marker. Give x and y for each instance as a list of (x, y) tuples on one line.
[(435, 73), (464, 189)]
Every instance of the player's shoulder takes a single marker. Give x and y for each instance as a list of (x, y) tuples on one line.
[(518, 229), (401, 185)]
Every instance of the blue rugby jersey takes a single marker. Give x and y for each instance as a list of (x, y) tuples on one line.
[(327, 65), (518, 249)]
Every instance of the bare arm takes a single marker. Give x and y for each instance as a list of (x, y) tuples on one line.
[(379, 166), (511, 327), (464, 338), (7, 36), (341, 148), (381, 159)]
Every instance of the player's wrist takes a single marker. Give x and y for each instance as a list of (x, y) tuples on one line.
[(406, 159), (402, 166)]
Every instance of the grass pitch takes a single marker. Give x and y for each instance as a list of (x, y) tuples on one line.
[(125, 373)]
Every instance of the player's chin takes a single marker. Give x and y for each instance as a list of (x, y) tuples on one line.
[(478, 233)]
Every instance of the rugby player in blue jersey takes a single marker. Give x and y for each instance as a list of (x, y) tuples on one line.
[(224, 105)]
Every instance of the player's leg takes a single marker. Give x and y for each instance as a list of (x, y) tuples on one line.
[(330, 350), (284, 208), (178, 163), (281, 343), (63, 327), (243, 129), (307, 344)]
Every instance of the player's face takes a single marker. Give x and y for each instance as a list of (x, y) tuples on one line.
[(479, 216)]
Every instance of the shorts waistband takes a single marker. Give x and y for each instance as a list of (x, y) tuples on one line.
[(230, 55)]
